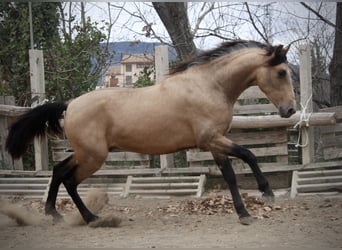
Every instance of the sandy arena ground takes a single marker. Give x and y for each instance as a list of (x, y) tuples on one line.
[(186, 222)]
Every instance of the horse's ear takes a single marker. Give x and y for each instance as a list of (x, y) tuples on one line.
[(279, 50), (278, 56), (286, 49)]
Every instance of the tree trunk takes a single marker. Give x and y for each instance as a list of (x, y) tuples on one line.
[(336, 62), (175, 19), (83, 18)]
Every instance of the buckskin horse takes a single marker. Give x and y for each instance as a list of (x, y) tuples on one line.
[(192, 107)]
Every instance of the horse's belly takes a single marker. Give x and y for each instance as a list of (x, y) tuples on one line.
[(158, 141)]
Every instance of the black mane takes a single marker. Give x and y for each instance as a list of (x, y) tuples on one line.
[(224, 49)]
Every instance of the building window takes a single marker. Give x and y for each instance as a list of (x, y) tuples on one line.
[(142, 66), (128, 67), (128, 80)]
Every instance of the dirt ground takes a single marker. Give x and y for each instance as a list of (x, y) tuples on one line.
[(188, 222)]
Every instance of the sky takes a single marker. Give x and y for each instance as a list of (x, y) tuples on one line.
[(287, 21)]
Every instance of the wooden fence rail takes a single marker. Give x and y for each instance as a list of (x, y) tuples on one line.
[(332, 135), (278, 141), (271, 121), (8, 113)]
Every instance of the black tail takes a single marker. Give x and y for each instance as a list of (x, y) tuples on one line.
[(34, 123)]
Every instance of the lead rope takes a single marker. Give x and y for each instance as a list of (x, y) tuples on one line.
[(303, 122)]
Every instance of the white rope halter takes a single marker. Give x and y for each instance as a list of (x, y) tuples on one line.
[(303, 122)]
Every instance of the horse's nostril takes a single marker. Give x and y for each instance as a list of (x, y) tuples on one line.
[(291, 111)]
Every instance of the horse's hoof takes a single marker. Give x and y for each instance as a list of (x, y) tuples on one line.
[(247, 220), (268, 199), (108, 221), (56, 217)]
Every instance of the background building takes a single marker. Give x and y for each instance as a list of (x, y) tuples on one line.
[(125, 74)]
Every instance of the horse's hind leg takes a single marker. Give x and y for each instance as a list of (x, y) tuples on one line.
[(66, 172), (60, 171), (85, 168), (71, 184)]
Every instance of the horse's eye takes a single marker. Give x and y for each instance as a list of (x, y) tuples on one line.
[(281, 73)]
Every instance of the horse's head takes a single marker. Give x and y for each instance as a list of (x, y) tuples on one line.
[(274, 79)]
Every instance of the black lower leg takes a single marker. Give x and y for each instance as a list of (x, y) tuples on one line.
[(248, 157), (71, 186), (61, 170), (229, 176), (50, 205)]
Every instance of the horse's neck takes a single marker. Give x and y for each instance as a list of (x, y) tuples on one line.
[(236, 75)]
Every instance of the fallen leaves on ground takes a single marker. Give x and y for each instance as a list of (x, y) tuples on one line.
[(222, 204)]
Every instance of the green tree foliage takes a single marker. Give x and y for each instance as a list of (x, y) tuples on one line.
[(145, 78), (15, 43), (73, 59), (76, 62)]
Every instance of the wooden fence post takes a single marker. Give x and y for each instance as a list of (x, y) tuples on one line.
[(5, 157), (162, 68), (38, 97), (307, 134)]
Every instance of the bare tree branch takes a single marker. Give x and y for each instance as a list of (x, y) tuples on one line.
[(214, 34), (201, 17), (148, 30), (110, 25), (254, 24), (318, 15)]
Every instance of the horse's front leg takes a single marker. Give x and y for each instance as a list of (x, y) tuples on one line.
[(247, 156), (221, 148), (228, 174)]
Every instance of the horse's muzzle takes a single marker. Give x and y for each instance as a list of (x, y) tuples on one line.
[(286, 111)]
